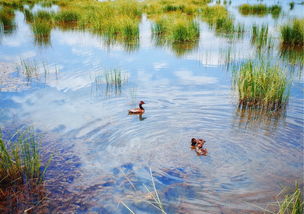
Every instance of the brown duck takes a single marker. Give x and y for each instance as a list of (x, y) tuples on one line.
[(139, 110)]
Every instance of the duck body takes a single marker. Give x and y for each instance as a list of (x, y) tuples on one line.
[(139, 110), (201, 151), (197, 144)]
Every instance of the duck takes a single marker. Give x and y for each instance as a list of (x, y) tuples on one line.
[(139, 110), (201, 151), (197, 143)]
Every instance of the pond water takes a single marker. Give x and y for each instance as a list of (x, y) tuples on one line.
[(102, 155)]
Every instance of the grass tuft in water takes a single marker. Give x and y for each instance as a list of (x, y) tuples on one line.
[(292, 203), (7, 22), (292, 35), (20, 161), (218, 18), (21, 173), (259, 35), (291, 5), (176, 29), (261, 85), (260, 10)]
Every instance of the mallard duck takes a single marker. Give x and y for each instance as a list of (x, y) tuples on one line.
[(139, 110)]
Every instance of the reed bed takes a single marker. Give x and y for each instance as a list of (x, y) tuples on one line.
[(260, 10), (292, 35), (261, 85)]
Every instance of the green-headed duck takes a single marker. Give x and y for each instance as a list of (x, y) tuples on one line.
[(139, 110)]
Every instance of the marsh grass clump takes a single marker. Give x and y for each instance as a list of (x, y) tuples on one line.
[(29, 16), (7, 20), (178, 33), (291, 5), (260, 10), (257, 9), (292, 35), (261, 85), (43, 15), (292, 203), (185, 31), (67, 16), (42, 32), (20, 161), (175, 30), (112, 80), (219, 19), (21, 171)]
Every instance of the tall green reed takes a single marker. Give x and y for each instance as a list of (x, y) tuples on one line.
[(262, 85)]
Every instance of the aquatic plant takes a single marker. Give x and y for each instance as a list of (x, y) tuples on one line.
[(155, 201), (259, 35), (292, 35), (67, 16), (111, 81), (43, 15), (261, 85), (29, 16), (291, 5), (176, 29), (7, 16), (292, 203), (29, 69), (21, 173), (20, 161), (294, 56), (260, 10), (185, 31), (42, 32), (257, 9)]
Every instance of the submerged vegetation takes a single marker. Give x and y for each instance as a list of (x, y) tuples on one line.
[(261, 85), (260, 10)]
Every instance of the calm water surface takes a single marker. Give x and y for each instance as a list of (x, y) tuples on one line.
[(102, 155)]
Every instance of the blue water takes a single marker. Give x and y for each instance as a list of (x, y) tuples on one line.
[(103, 156)]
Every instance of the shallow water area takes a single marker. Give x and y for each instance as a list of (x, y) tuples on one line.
[(103, 156)]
